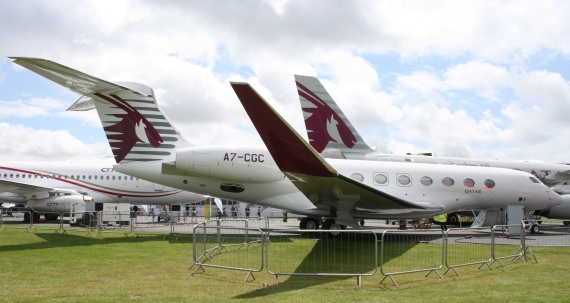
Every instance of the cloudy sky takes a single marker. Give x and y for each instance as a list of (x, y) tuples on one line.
[(472, 79)]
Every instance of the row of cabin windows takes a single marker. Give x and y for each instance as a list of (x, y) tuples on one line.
[(406, 180), (78, 177)]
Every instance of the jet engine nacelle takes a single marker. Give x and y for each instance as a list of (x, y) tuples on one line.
[(58, 204), (561, 211), (249, 165)]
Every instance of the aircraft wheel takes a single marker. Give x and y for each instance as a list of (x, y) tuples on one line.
[(566, 223), (51, 217), (26, 217), (334, 227), (534, 229), (452, 219), (361, 222), (309, 223), (36, 216)]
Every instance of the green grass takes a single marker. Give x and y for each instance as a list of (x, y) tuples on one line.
[(51, 267)]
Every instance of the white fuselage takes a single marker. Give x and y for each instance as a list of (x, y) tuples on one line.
[(214, 170), (548, 172), (99, 181)]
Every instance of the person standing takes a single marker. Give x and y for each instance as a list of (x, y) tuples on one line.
[(442, 220), (247, 211), (259, 212)]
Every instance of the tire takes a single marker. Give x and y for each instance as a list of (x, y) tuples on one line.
[(334, 227), (309, 223), (361, 222), (51, 217), (534, 229), (566, 223), (453, 219), (312, 224)]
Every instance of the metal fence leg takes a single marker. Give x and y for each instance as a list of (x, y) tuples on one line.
[(389, 276)]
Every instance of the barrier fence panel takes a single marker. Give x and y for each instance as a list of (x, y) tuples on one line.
[(81, 222), (47, 221), (227, 247), (319, 253), (17, 219), (404, 252), (508, 244), (148, 224), (550, 234), (468, 246)]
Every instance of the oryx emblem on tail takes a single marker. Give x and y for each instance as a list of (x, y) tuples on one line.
[(132, 128), (324, 125)]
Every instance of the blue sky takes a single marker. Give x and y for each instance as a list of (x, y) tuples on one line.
[(483, 79)]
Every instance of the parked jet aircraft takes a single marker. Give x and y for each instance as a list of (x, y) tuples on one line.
[(54, 187), (291, 175), (331, 133)]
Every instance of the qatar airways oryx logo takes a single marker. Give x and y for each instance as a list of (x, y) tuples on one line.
[(324, 125), (132, 128)]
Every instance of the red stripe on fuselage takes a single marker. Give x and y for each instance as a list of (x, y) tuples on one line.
[(87, 186)]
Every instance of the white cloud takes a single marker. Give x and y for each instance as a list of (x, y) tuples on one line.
[(488, 98), (25, 144)]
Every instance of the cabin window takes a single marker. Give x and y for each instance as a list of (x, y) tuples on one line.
[(469, 182), (95, 177), (489, 183), (232, 188), (425, 180), (119, 177), (404, 180), (89, 177), (107, 177), (17, 175), (131, 178), (11, 175), (357, 177), (113, 178), (381, 179), (35, 176), (447, 181), (533, 179)]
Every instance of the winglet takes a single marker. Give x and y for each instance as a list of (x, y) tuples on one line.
[(289, 150)]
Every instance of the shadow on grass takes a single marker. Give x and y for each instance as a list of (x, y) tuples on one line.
[(356, 255), (54, 240)]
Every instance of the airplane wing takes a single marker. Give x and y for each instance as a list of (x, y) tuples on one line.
[(21, 188), (75, 80), (308, 171)]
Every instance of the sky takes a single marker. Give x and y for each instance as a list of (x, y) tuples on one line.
[(474, 79)]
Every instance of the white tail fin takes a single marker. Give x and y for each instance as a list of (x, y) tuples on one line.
[(137, 130), (327, 126)]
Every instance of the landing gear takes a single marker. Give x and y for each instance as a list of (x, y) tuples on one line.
[(566, 223), (334, 227), (534, 229), (27, 217), (51, 217), (309, 223), (361, 222), (452, 219)]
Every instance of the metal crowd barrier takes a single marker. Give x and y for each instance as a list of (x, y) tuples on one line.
[(468, 246), (228, 247), (428, 248), (319, 253), (508, 243)]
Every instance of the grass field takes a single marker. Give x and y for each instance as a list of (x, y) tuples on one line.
[(51, 267)]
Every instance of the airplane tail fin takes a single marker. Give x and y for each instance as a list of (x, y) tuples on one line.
[(327, 126), (136, 128)]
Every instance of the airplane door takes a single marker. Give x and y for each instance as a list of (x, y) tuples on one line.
[(158, 187)]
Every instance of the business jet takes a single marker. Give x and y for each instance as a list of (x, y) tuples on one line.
[(331, 134), (288, 174)]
